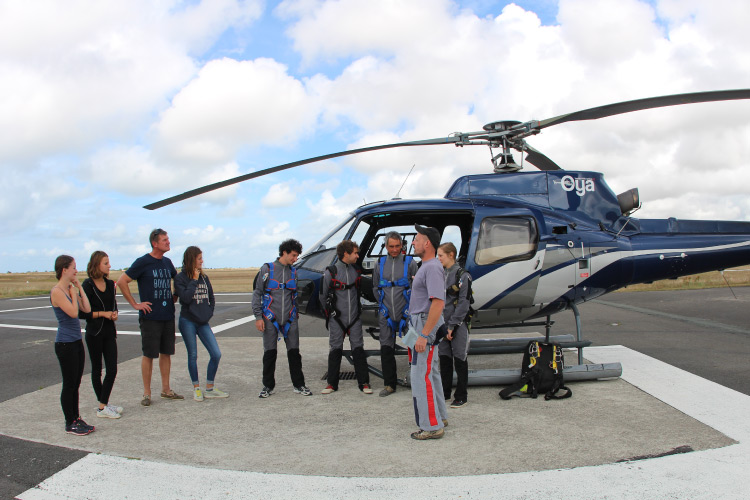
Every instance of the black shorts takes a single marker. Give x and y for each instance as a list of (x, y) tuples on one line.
[(157, 337)]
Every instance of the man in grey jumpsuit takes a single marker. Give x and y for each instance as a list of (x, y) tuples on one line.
[(276, 316), (454, 349), (389, 292), (343, 310), (426, 307)]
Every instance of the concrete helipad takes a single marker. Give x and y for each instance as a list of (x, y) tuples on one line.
[(351, 445)]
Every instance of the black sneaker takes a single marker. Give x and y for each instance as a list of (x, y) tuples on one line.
[(265, 392), (79, 428), (458, 403)]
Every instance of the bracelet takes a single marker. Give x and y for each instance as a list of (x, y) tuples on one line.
[(423, 336)]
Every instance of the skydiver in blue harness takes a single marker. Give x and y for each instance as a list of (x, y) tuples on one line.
[(391, 281), (275, 309)]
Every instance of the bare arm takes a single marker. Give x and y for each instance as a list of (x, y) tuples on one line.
[(123, 283), (433, 316), (83, 299), (59, 299)]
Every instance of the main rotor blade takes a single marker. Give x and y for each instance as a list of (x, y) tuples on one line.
[(539, 160), (278, 168), (641, 104)]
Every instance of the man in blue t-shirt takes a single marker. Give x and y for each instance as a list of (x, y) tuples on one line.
[(154, 274)]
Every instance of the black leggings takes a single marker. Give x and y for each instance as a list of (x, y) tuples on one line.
[(72, 358), (104, 344)]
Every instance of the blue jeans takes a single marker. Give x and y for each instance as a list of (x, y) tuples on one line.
[(190, 330)]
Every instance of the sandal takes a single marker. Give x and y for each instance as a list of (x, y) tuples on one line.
[(146, 401), (171, 395)]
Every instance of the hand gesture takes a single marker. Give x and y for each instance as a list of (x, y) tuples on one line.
[(450, 335), (143, 306), (260, 325)]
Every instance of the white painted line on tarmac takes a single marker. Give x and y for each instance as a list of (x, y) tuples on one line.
[(216, 329), (724, 409), (54, 329), (25, 309), (716, 473), (29, 327), (232, 324)]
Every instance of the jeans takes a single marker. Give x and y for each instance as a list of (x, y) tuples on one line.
[(190, 330), (103, 345), (72, 358)]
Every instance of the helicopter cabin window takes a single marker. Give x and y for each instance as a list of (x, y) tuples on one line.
[(505, 239), (360, 232), (323, 252), (378, 250)]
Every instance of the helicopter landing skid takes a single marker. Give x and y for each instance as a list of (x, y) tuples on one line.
[(572, 373)]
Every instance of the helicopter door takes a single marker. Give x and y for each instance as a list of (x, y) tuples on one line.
[(583, 265), (574, 261), (508, 260)]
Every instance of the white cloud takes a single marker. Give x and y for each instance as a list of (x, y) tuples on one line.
[(608, 32), (233, 104), (329, 208), (103, 104), (279, 195), (81, 72)]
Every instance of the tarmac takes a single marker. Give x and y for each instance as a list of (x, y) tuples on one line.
[(600, 443)]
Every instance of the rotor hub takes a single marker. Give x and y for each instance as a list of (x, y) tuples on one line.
[(500, 126)]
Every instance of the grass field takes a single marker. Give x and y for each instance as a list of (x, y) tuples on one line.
[(28, 284), (240, 280)]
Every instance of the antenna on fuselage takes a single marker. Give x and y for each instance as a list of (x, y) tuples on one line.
[(725, 281), (402, 185)]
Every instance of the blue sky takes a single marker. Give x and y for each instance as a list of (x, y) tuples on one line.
[(106, 106)]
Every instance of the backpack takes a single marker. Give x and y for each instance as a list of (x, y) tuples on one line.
[(541, 373), (452, 291)]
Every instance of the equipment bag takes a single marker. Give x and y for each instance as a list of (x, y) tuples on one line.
[(541, 373)]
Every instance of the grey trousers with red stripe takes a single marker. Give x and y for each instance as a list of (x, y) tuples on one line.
[(426, 384)]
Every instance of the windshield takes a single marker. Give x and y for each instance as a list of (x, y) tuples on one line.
[(333, 237)]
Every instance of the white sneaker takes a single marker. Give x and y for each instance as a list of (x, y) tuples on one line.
[(107, 412), (118, 409), (197, 394), (215, 393)]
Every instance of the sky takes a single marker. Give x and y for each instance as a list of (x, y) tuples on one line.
[(106, 106)]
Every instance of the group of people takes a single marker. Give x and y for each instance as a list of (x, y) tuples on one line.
[(95, 301), (431, 300)]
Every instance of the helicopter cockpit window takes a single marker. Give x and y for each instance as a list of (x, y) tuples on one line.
[(360, 232), (407, 235), (377, 249), (335, 236), (504, 239), (318, 261), (322, 253)]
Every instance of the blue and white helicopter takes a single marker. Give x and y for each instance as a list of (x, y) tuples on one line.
[(535, 243)]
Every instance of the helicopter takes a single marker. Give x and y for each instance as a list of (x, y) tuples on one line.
[(536, 243)]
